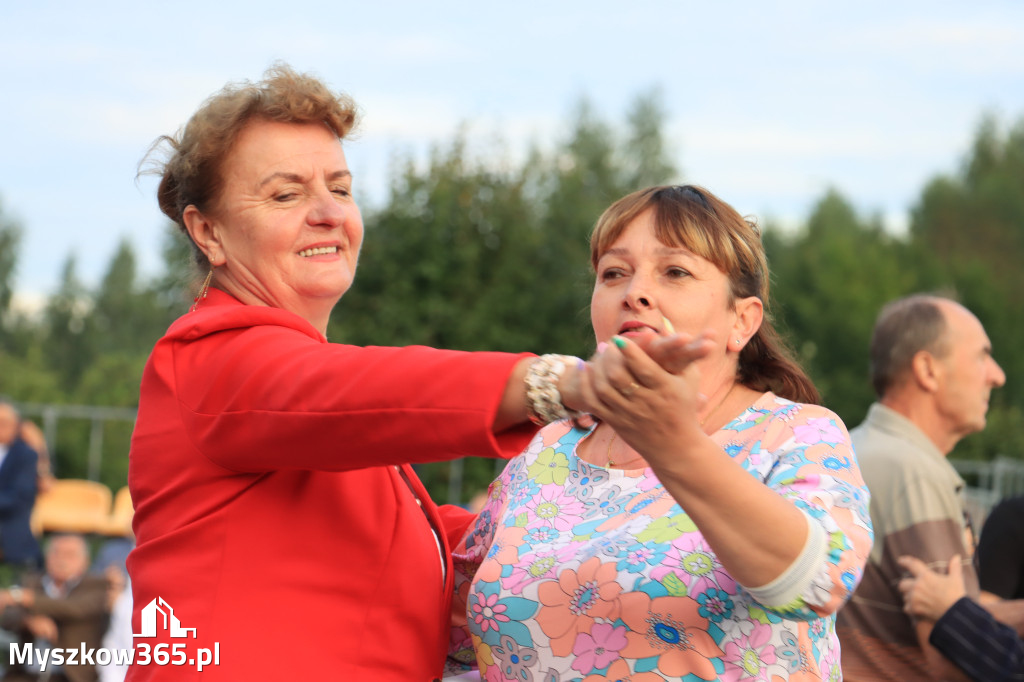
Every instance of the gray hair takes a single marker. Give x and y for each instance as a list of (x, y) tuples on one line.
[(904, 328)]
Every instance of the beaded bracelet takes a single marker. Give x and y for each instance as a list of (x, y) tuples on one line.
[(543, 401)]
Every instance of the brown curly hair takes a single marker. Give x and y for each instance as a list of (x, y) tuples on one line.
[(191, 173)]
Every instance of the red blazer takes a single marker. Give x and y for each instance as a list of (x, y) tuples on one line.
[(271, 511)]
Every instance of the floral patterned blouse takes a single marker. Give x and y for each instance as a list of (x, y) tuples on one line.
[(576, 572)]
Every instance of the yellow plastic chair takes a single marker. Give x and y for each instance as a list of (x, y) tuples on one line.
[(72, 506), (119, 522)]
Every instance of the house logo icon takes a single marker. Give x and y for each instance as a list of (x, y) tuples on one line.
[(169, 621)]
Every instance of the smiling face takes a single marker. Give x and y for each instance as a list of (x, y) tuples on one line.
[(285, 231), (640, 279)]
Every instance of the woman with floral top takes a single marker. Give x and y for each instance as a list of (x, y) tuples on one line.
[(710, 523)]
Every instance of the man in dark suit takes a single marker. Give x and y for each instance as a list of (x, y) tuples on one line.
[(18, 486), (66, 608)]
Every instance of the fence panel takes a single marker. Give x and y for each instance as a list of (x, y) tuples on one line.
[(988, 482)]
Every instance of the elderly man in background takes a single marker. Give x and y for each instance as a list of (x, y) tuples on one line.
[(18, 486), (933, 371), (66, 608)]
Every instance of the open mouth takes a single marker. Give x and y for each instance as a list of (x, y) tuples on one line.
[(319, 251), (635, 327)]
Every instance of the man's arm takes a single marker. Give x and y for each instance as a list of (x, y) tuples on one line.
[(984, 648), (1008, 611), (962, 637), (927, 595), (87, 600), (940, 666)]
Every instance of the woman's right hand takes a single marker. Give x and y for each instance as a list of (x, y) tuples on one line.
[(674, 353)]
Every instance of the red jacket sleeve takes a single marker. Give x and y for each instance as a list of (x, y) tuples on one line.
[(268, 397), (455, 522)]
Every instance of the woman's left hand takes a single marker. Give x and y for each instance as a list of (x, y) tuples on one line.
[(647, 390)]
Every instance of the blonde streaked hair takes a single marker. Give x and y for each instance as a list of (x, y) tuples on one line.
[(691, 217)]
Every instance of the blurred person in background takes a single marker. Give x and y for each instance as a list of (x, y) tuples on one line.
[(933, 372), (19, 549), (1001, 550), (36, 439), (64, 608)]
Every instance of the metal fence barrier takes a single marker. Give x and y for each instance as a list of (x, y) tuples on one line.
[(987, 482), (50, 415)]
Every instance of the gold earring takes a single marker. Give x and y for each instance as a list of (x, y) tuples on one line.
[(203, 290)]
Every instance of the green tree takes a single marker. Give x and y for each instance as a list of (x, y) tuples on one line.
[(126, 315), (175, 288), (430, 255), (10, 240), (647, 156), (25, 373), (971, 225), (29, 377), (830, 280), (68, 343), (591, 169)]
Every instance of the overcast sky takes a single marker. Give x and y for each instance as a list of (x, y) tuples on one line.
[(769, 103)]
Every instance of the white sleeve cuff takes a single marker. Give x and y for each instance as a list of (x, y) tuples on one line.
[(792, 584)]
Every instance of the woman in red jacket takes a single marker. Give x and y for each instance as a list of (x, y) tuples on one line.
[(281, 532)]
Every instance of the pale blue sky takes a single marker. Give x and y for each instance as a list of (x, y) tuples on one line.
[(769, 103)]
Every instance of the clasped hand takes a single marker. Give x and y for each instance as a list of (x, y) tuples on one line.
[(647, 389), (927, 593)]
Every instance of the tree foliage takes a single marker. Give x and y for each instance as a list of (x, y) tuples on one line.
[(472, 250), (10, 240), (971, 225), (829, 282)]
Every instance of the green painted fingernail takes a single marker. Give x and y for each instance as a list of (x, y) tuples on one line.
[(619, 341)]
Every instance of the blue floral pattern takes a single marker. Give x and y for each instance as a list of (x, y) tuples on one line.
[(578, 573)]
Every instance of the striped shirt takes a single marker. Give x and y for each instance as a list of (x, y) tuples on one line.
[(978, 644)]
